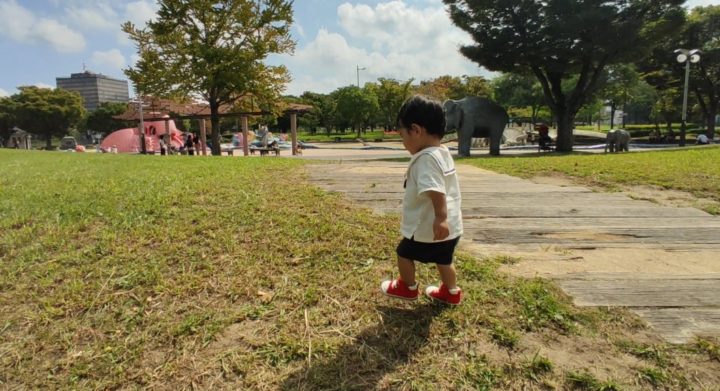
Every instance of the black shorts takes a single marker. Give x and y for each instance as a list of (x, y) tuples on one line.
[(440, 253)]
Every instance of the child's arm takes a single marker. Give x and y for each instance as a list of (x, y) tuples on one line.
[(441, 229)]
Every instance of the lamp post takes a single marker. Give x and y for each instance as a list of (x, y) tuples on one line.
[(358, 69), (687, 57)]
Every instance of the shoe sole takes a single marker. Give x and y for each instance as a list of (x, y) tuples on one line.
[(435, 300), (399, 297)]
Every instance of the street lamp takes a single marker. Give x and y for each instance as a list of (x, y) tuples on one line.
[(687, 57), (358, 74)]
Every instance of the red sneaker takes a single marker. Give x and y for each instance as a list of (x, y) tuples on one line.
[(442, 294), (398, 289)]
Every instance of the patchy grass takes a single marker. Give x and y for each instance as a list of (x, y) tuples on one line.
[(226, 273), (710, 346), (653, 376), (693, 170), (584, 380), (538, 366)]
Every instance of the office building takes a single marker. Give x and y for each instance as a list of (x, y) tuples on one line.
[(95, 88)]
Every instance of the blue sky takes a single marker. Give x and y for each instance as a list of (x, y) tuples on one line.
[(401, 39)]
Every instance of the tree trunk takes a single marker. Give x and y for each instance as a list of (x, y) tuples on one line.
[(48, 141), (612, 115), (215, 124), (565, 120), (712, 113)]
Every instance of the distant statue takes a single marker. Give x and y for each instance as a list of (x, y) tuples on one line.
[(475, 117)]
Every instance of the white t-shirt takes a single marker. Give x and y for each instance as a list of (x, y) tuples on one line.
[(433, 169)]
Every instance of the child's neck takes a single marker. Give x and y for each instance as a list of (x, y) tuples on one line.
[(430, 142)]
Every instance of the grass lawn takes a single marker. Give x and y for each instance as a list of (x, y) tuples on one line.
[(225, 273), (693, 170)]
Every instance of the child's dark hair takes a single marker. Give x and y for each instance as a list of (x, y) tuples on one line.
[(425, 112)]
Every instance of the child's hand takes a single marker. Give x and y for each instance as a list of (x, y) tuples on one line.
[(441, 229)]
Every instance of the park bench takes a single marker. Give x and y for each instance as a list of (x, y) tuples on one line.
[(265, 150)]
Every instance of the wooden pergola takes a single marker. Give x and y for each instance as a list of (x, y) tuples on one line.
[(165, 110)]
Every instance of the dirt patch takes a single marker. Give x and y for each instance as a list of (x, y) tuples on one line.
[(655, 194), (668, 197), (557, 263), (555, 179)]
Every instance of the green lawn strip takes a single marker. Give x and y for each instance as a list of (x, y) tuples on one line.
[(694, 170), (144, 271)]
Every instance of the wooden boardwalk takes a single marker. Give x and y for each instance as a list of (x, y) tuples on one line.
[(604, 249)]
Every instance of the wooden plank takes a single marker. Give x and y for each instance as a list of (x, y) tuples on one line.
[(599, 223), (504, 214), (681, 325), (590, 237), (660, 292), (470, 211)]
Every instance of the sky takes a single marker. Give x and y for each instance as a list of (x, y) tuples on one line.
[(400, 39)]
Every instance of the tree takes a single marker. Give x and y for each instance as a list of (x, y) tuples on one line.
[(322, 112), (213, 49), (391, 95), (640, 105), (703, 32), (7, 119), (557, 40), (454, 87), (101, 119), (517, 90), (47, 112), (622, 79), (355, 105)]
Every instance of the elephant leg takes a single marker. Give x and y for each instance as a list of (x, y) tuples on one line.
[(495, 144), (496, 137), (464, 141)]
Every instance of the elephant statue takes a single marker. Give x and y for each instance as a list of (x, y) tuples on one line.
[(617, 140), (475, 117)]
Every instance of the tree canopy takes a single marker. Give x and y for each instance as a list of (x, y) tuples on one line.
[(46, 112), (213, 49), (703, 32), (557, 40), (101, 119)]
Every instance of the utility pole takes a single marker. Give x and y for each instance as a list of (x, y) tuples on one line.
[(358, 69)]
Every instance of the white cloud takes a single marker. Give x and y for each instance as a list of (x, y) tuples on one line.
[(43, 85), (140, 12), (98, 16), (134, 58), (61, 37), (700, 3), (123, 39), (21, 25), (391, 40), (300, 30), (112, 59), (3, 93)]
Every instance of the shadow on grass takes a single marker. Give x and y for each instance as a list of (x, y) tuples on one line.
[(376, 351)]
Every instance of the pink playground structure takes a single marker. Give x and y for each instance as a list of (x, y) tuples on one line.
[(128, 140)]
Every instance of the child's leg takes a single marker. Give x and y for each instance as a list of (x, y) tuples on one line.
[(447, 275), (407, 270)]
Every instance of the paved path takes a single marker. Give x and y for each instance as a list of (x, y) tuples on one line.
[(604, 249)]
